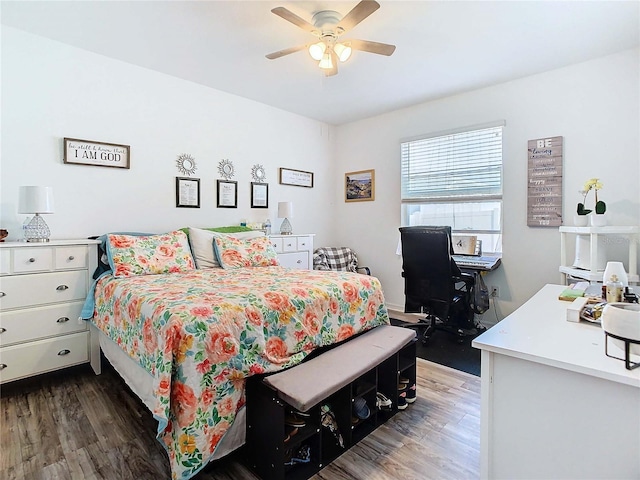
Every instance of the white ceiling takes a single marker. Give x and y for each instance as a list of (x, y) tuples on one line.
[(443, 47)]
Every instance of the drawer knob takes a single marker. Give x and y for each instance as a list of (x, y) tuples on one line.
[(2, 294), (64, 352), (71, 257), (2, 329), (32, 260), (62, 319), (299, 261), (62, 288), (3, 366)]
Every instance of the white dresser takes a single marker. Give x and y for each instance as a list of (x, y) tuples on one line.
[(294, 251), (42, 290)]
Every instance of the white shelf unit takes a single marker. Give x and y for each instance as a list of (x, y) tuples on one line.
[(594, 275)]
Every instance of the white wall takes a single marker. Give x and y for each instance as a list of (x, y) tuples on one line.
[(594, 105), (51, 91)]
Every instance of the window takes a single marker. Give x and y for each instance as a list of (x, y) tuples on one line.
[(456, 179)]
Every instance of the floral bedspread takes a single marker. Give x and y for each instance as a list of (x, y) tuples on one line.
[(202, 333)]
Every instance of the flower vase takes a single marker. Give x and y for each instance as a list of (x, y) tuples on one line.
[(598, 220), (580, 220)]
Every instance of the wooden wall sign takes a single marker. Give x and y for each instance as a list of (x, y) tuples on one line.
[(544, 185)]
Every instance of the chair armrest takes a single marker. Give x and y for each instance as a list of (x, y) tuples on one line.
[(366, 269), (467, 278)]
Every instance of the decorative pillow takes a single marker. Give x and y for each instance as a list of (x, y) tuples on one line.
[(149, 254), (233, 252), (202, 244)]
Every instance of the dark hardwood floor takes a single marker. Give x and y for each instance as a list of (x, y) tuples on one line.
[(73, 424)]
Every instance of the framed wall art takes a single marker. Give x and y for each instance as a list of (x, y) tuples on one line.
[(259, 195), (87, 152), (360, 186), (187, 192), (299, 178), (227, 194)]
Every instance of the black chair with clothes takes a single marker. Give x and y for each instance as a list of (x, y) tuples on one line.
[(433, 283)]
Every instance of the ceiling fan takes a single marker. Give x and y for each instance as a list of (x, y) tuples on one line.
[(329, 26)]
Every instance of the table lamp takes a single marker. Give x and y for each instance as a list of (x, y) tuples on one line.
[(37, 200), (285, 210)]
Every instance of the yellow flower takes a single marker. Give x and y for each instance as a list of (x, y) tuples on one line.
[(592, 183), (187, 443)]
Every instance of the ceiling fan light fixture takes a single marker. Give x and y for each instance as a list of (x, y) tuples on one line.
[(316, 50), (326, 62), (343, 51)]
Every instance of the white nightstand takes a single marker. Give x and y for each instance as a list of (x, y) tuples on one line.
[(294, 251), (42, 290)]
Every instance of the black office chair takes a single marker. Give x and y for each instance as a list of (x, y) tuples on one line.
[(433, 283)]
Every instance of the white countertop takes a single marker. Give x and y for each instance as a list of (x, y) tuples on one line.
[(539, 332)]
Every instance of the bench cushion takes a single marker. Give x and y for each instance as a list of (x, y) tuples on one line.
[(308, 383)]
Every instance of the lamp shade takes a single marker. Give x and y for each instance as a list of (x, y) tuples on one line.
[(33, 199), (285, 210), (326, 61), (617, 269), (342, 51), (316, 50)]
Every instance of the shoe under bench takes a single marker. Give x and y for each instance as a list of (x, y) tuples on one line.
[(360, 367)]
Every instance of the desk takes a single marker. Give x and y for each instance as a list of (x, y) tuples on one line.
[(553, 405), (476, 263)]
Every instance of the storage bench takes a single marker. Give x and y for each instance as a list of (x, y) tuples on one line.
[(352, 371)]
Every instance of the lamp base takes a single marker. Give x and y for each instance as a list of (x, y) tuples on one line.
[(37, 230), (285, 227)]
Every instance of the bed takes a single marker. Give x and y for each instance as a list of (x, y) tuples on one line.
[(185, 339)]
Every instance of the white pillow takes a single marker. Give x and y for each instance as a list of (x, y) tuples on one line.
[(202, 245)]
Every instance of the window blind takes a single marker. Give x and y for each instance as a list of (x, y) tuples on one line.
[(457, 166)]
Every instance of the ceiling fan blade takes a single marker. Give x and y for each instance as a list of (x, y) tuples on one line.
[(329, 72), (286, 51), (295, 19), (371, 47), (357, 14)]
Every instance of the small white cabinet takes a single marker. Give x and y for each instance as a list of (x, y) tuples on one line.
[(42, 290), (294, 251), (594, 233)]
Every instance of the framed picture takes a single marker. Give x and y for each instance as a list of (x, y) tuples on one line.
[(360, 186), (259, 195), (87, 152), (298, 178), (227, 194), (187, 192)]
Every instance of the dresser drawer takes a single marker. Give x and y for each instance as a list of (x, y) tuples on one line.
[(29, 290), (304, 243), (72, 257), (289, 244), (42, 356), (297, 260), (36, 259), (277, 244), (5, 261), (23, 325)]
